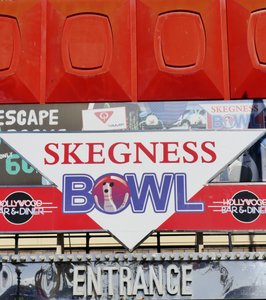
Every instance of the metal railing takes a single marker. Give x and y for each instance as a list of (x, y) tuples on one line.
[(159, 241)]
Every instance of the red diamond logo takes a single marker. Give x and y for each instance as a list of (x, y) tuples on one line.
[(104, 116)]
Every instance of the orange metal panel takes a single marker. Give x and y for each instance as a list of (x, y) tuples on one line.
[(247, 47), (20, 46), (89, 51), (10, 45), (179, 49)]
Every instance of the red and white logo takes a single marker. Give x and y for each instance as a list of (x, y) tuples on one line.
[(104, 116), (104, 119)]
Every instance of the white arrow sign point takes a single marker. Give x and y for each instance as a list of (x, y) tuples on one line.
[(161, 171)]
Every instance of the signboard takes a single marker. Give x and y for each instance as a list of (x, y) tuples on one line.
[(166, 276), (166, 115), (66, 176)]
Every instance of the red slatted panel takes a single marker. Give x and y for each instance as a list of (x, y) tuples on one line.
[(20, 48), (89, 51), (179, 48), (247, 48)]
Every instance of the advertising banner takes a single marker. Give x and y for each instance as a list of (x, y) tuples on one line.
[(149, 166), (156, 277)]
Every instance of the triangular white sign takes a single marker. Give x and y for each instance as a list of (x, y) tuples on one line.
[(154, 173)]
